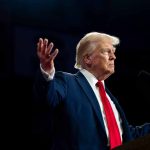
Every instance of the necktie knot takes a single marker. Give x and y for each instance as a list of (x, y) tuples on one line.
[(99, 83)]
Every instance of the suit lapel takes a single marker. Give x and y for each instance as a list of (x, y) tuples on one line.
[(90, 96)]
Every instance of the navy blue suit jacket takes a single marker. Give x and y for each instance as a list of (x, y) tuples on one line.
[(77, 119)]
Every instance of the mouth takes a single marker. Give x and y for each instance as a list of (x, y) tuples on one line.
[(111, 65)]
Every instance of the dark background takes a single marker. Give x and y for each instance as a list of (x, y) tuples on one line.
[(64, 22)]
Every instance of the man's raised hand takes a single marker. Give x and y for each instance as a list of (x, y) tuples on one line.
[(45, 54)]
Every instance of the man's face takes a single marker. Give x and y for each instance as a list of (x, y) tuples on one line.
[(102, 59)]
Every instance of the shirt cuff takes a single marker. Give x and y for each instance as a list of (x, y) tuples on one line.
[(48, 76)]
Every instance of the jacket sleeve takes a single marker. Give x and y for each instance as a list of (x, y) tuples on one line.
[(139, 131), (49, 92), (42, 114), (40, 89)]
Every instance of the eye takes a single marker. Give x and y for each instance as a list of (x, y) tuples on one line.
[(106, 51)]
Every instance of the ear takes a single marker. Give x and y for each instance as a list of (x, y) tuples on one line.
[(87, 59)]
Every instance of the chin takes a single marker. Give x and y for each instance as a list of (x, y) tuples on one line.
[(111, 72)]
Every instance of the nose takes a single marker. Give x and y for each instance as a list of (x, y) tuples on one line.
[(112, 56)]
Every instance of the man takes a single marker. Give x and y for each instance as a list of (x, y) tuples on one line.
[(80, 118)]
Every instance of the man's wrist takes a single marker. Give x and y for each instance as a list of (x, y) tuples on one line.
[(48, 76)]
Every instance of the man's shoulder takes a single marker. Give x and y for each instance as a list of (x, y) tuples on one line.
[(65, 74), (68, 75)]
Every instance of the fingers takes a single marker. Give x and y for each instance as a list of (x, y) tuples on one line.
[(44, 49), (49, 48), (54, 54), (39, 45)]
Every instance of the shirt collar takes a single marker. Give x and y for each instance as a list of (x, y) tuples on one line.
[(90, 77)]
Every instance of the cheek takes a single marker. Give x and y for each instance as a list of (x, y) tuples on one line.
[(100, 61)]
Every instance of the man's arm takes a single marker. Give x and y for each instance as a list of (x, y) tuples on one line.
[(46, 71)]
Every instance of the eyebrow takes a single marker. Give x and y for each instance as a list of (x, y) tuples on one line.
[(107, 49)]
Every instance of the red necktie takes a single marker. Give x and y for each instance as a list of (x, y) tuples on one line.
[(114, 135)]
